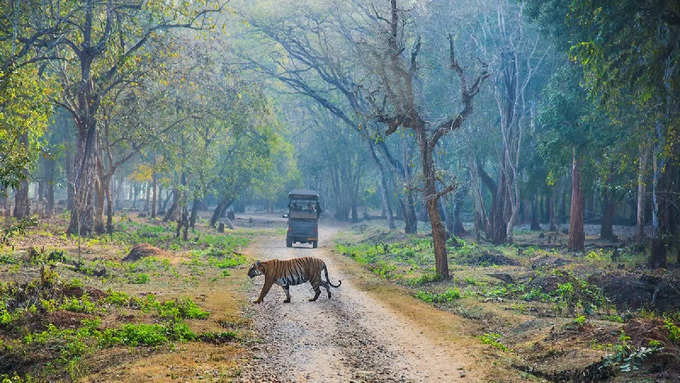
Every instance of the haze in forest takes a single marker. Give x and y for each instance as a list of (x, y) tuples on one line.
[(482, 155)]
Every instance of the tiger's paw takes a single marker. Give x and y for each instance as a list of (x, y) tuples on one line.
[(257, 302)]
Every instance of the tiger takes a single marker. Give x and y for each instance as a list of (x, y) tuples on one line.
[(291, 272)]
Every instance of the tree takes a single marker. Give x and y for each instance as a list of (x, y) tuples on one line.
[(511, 47), (631, 47), (24, 115), (97, 50), (394, 102)]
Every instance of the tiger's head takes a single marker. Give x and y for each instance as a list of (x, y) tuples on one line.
[(256, 269)]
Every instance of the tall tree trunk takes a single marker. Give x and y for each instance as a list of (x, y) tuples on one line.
[(68, 165), (355, 213), (22, 207), (154, 196), (641, 186), (51, 168), (219, 210), (410, 216), (173, 208), (607, 221), (384, 194), (497, 221), (481, 218), (552, 200), (457, 224), (535, 225), (99, 187), (85, 164), (194, 213), (576, 233), (147, 197), (432, 205), (109, 207)]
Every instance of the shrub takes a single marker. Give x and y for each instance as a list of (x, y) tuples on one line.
[(217, 337), (140, 279), (673, 330), (493, 339)]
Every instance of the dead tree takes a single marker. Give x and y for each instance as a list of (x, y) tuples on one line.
[(395, 104)]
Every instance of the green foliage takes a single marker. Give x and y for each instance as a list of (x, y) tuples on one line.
[(178, 309), (24, 112), (13, 230), (422, 279), (218, 337), (673, 330), (579, 321), (79, 305), (447, 296), (576, 292), (140, 279), (146, 334), (493, 339), (627, 357)]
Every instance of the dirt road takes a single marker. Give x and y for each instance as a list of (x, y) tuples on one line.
[(352, 337)]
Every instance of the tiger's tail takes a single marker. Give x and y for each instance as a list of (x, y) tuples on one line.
[(328, 280)]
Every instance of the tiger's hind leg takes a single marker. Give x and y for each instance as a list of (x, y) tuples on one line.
[(286, 289), (328, 288), (315, 285)]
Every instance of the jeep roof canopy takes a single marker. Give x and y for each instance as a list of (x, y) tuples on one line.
[(303, 194)]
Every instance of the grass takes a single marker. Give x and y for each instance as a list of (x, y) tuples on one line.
[(447, 296), (96, 301)]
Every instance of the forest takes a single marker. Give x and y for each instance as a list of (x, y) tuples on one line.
[(500, 176)]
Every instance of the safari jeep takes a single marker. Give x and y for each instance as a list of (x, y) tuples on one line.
[(303, 217)]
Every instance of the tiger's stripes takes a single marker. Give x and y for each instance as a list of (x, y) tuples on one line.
[(291, 272)]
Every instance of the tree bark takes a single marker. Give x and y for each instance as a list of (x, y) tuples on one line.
[(576, 232), (219, 210), (22, 207), (101, 184), (147, 197), (552, 200), (497, 221), (51, 167), (173, 208), (109, 208), (431, 203), (535, 225), (457, 227), (384, 194), (154, 196), (607, 220), (641, 186), (194, 213)]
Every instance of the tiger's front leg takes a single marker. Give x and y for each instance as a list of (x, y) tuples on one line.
[(286, 289), (265, 289)]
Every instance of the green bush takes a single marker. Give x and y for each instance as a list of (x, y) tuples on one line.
[(79, 305), (493, 339), (181, 309), (140, 279), (217, 337), (673, 330), (143, 334)]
